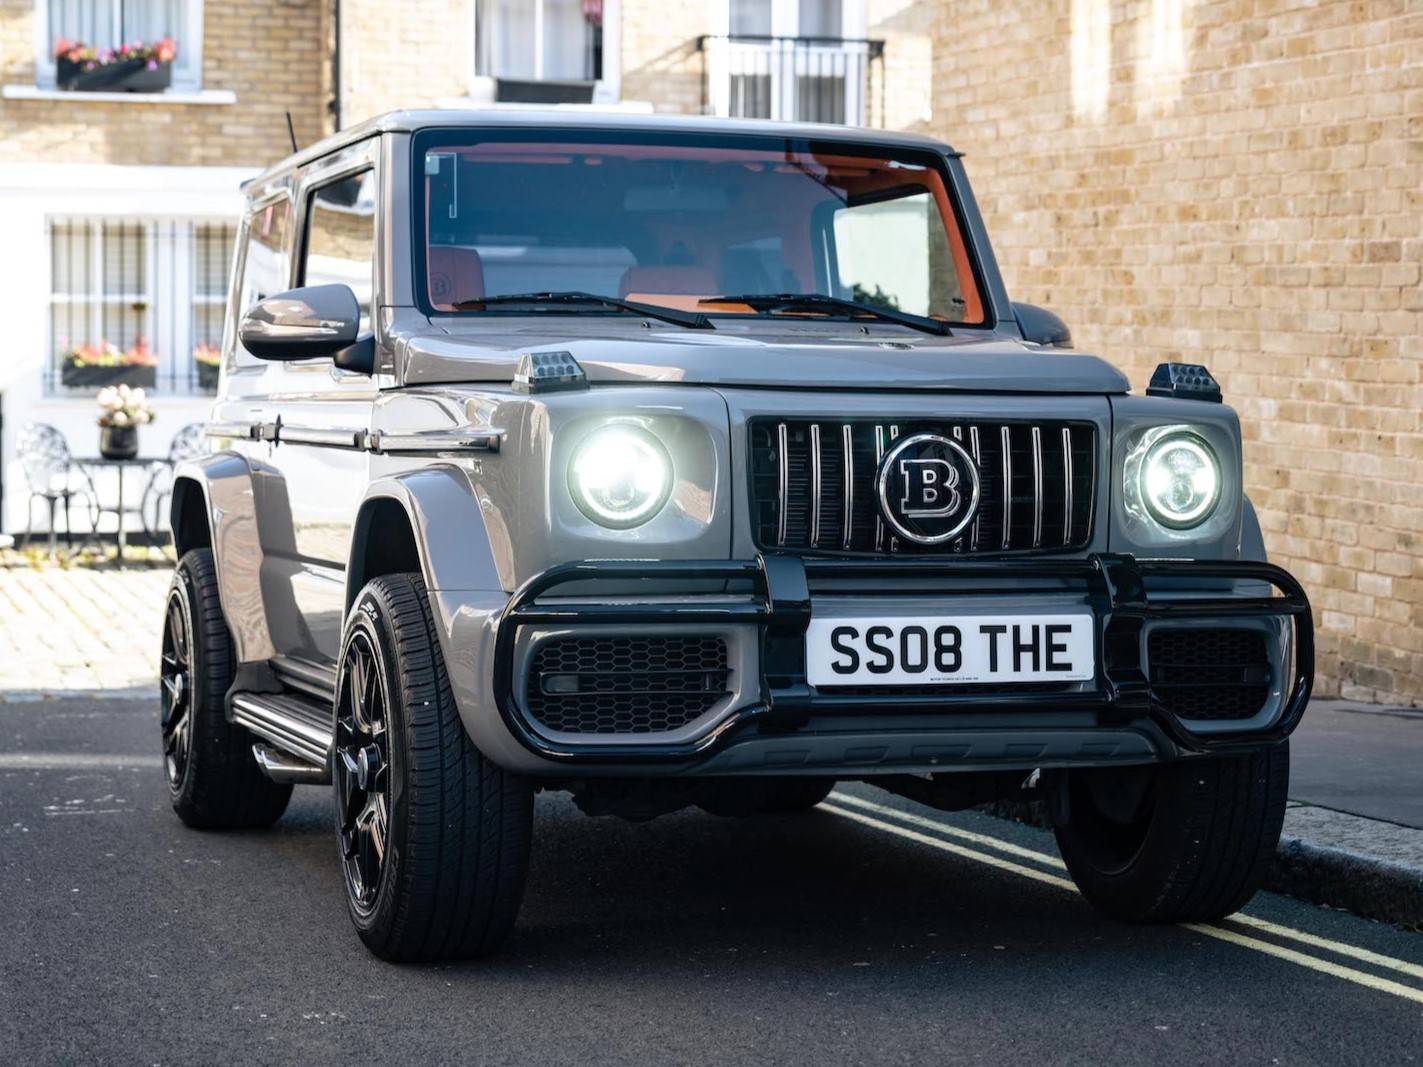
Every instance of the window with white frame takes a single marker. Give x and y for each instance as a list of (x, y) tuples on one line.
[(792, 60), (539, 40), (105, 24), (136, 301)]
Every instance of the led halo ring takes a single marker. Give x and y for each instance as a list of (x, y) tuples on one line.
[(620, 475), (1156, 479)]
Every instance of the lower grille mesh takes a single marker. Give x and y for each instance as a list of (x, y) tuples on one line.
[(626, 685), (1209, 673)]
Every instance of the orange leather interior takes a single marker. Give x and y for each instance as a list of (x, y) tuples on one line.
[(667, 281), (455, 274)]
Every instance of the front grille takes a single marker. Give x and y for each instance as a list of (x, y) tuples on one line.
[(1036, 478), (1209, 673), (625, 685)]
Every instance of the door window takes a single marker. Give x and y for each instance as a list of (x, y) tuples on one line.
[(264, 262), (340, 237)]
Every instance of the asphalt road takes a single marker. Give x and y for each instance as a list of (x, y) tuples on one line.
[(850, 934)]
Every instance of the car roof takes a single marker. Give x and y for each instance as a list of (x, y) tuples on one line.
[(529, 118)]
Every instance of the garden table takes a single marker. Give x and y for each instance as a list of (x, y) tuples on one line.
[(118, 508)]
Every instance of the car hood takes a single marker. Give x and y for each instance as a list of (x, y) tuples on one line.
[(799, 356)]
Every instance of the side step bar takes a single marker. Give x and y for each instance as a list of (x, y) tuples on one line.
[(297, 726), (280, 767)]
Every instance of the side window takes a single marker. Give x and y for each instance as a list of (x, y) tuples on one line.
[(264, 261), (341, 238), (895, 253)]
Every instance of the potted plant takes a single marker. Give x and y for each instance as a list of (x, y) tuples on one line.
[(96, 366), (208, 359), (122, 411), (129, 68)]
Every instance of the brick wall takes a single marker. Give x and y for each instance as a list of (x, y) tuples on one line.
[(660, 61), (404, 54), (270, 53), (1237, 183)]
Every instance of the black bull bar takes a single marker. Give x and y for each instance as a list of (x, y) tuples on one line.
[(780, 604)]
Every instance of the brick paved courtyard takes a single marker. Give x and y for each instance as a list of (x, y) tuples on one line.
[(79, 628)]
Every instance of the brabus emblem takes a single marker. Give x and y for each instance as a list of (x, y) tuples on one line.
[(928, 488)]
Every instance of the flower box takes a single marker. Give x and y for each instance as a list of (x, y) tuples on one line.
[(129, 68), (122, 76), (207, 376), (75, 375)]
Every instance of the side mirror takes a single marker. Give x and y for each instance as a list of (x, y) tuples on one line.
[(318, 320), (1041, 327)]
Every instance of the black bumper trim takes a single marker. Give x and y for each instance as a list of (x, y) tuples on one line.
[(780, 604)]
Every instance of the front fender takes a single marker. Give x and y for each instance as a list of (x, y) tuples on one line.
[(447, 525), (223, 483)]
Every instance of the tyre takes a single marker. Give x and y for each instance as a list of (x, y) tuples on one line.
[(434, 839), (213, 779), (1188, 841)]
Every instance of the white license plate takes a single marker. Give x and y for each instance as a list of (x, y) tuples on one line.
[(944, 649)]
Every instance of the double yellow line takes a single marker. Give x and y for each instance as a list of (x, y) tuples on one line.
[(1005, 856)]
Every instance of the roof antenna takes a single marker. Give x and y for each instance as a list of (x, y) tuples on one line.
[(291, 132)]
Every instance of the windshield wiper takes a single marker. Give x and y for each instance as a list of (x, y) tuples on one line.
[(769, 302), (692, 320)]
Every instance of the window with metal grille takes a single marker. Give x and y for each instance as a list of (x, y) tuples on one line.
[(109, 23), (137, 302)]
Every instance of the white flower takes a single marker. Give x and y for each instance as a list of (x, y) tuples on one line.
[(119, 418)]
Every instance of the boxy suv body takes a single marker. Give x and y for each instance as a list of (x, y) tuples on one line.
[(675, 461)]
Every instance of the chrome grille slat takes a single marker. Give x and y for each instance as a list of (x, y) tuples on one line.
[(977, 462), (879, 455), (783, 453), (1007, 442), (1037, 484), (847, 434), (1037, 487), (815, 483)]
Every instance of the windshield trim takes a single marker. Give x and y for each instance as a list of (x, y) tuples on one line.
[(439, 136)]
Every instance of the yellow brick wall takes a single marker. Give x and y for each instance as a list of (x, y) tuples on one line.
[(1238, 183), (404, 54), (660, 60), (269, 52)]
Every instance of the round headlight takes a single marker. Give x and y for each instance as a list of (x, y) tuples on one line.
[(1180, 480), (620, 476)]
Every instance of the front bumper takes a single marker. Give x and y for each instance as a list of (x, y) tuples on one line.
[(774, 598)]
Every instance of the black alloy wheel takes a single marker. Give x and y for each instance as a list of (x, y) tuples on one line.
[(362, 771), (176, 694), (214, 782)]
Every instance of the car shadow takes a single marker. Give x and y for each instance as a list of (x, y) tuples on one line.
[(700, 895)]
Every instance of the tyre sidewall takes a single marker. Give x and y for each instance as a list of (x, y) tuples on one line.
[(208, 686), (370, 617)]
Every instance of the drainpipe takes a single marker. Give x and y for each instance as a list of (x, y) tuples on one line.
[(335, 104)]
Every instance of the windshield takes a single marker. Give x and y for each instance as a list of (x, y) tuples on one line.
[(682, 221)]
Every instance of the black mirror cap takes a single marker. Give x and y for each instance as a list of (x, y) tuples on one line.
[(1040, 326), (360, 357), (306, 323), (1184, 381)]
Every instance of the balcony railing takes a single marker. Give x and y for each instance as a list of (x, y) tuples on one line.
[(794, 79)]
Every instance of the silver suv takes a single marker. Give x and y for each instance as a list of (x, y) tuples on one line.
[(679, 462)]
